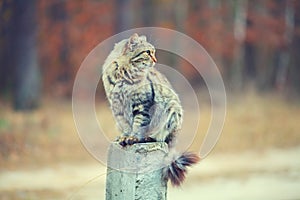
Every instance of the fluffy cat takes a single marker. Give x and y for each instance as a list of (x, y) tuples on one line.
[(143, 102)]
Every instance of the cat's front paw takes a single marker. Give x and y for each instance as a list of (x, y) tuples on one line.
[(127, 140), (132, 140), (147, 140), (121, 140)]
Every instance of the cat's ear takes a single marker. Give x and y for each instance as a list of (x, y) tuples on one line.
[(134, 38), (132, 42), (143, 38)]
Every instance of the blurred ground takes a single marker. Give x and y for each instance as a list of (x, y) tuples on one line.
[(257, 156), (272, 174)]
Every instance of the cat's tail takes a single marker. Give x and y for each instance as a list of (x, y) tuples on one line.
[(176, 169)]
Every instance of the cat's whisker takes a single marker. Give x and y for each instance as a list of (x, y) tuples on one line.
[(77, 190)]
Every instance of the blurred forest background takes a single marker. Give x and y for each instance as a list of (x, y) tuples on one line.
[(44, 42), (255, 44)]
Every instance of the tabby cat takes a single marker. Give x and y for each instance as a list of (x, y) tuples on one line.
[(143, 102)]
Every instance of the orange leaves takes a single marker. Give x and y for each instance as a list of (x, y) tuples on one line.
[(65, 41)]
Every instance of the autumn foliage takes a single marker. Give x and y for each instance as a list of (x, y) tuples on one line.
[(250, 41)]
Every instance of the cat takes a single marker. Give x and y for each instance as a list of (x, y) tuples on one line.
[(145, 106)]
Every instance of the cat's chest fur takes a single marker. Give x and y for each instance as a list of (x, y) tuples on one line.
[(131, 95)]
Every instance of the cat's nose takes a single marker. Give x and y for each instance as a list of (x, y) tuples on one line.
[(153, 57)]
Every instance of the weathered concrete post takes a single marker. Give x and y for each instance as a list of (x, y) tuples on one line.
[(135, 172)]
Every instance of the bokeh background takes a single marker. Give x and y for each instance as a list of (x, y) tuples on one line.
[(255, 44)]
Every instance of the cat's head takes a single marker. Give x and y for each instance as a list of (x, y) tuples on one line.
[(141, 53)]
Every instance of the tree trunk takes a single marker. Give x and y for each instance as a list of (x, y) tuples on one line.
[(6, 70), (124, 15), (240, 13), (135, 172), (26, 69), (294, 71), (284, 60), (271, 52)]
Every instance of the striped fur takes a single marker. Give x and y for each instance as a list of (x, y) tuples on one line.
[(177, 169), (144, 104)]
